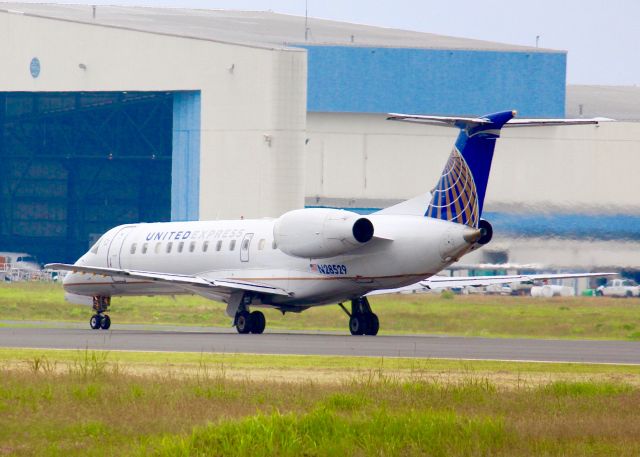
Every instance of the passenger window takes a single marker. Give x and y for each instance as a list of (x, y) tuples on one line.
[(219, 245), (157, 248), (169, 246), (205, 246), (232, 245), (144, 248), (261, 244), (192, 246), (245, 244), (133, 248), (180, 246), (274, 245)]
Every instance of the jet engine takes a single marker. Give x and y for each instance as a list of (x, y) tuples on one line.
[(318, 233), (487, 232)]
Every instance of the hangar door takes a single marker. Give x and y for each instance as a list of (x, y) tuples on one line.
[(72, 165)]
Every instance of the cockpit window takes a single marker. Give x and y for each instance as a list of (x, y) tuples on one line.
[(94, 249)]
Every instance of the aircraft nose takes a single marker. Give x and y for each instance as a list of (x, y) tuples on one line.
[(69, 278)]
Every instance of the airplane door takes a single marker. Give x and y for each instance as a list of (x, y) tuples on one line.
[(113, 255), (244, 247)]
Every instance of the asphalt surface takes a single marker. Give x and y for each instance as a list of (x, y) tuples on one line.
[(199, 339)]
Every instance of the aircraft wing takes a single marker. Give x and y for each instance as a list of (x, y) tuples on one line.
[(443, 282), (184, 281)]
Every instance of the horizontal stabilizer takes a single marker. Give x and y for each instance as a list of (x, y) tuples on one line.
[(461, 122)]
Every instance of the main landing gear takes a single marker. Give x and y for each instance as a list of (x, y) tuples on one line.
[(250, 322), (100, 320), (245, 321), (362, 321)]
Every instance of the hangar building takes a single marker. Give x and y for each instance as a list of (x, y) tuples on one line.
[(118, 114)]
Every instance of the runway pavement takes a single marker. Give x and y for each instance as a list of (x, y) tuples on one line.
[(199, 339)]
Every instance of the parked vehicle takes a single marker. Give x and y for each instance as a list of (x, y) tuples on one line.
[(619, 288), (20, 260)]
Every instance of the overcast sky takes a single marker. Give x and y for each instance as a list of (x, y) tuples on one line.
[(602, 37)]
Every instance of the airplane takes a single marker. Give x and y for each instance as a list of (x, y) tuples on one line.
[(312, 256)]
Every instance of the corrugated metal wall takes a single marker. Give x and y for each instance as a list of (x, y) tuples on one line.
[(381, 80), (185, 166)]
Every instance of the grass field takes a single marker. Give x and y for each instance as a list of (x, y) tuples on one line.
[(97, 403), (494, 316)]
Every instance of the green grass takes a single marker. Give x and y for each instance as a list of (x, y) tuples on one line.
[(86, 403), (325, 432), (312, 363), (576, 317)]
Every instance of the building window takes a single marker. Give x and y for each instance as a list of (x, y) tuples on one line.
[(261, 244), (169, 246), (232, 245), (145, 246), (133, 248), (219, 245), (180, 246), (205, 246), (192, 246)]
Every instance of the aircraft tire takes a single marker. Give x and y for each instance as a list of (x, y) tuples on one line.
[(258, 322), (95, 321), (243, 322), (105, 322), (357, 324), (373, 324)]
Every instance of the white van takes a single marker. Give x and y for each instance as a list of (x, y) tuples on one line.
[(18, 260)]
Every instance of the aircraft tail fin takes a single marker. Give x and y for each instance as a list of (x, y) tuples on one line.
[(458, 196)]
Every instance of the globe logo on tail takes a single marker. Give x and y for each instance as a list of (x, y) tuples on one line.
[(455, 197)]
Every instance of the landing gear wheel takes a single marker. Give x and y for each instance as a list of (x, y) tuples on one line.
[(362, 321), (258, 322), (243, 322), (105, 322), (95, 321), (373, 325), (357, 324)]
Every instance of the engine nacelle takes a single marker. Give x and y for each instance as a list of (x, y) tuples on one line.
[(318, 233), (487, 232)]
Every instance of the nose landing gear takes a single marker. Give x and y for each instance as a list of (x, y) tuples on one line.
[(100, 320), (362, 321)]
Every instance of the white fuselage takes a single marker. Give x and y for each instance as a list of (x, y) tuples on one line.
[(404, 249)]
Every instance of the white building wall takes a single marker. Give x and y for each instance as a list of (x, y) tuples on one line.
[(240, 174)]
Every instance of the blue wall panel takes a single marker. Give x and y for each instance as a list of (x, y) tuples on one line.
[(185, 166), (572, 226), (456, 82)]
